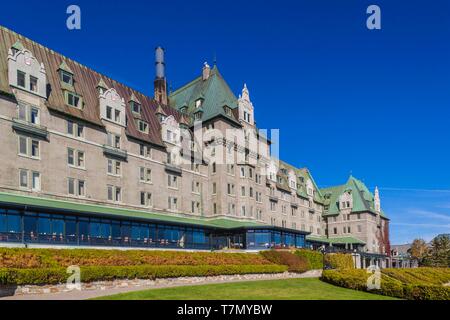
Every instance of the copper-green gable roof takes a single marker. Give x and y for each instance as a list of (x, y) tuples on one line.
[(215, 93), (363, 199)]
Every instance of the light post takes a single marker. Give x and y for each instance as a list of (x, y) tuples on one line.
[(354, 255), (322, 249)]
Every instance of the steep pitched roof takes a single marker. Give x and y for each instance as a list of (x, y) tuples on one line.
[(363, 199), (85, 84), (215, 93)]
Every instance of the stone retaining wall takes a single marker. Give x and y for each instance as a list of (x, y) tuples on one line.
[(138, 284)]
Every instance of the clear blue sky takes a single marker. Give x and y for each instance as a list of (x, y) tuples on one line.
[(376, 103)]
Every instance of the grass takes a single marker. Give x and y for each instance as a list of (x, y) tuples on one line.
[(291, 289)]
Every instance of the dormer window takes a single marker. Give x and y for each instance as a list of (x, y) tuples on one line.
[(66, 77), (142, 126), (198, 103), (198, 116), (183, 110), (21, 79), (227, 110), (33, 84), (117, 116), (73, 100), (135, 107)]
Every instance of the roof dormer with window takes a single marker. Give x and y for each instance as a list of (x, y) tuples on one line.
[(135, 105), (346, 200), (112, 107), (25, 72)]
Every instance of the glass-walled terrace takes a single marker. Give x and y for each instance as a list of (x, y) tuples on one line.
[(61, 229), (266, 239)]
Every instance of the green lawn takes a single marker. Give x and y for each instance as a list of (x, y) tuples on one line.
[(291, 289)]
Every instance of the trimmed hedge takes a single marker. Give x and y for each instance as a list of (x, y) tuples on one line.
[(314, 258), (294, 262), (54, 258), (411, 284), (339, 261), (14, 276)]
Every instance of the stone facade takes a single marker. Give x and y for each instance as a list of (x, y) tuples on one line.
[(106, 150)]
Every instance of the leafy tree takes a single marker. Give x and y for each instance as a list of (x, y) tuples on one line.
[(419, 250), (440, 252)]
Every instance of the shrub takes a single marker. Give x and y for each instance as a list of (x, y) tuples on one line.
[(401, 283), (53, 258), (339, 261), (14, 276), (294, 262), (314, 258)]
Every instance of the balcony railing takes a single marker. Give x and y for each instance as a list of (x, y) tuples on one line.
[(30, 128), (115, 152)]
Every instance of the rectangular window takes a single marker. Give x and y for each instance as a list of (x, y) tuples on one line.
[(108, 113), (172, 181), (114, 167), (35, 181), (23, 146), (22, 112), (173, 203), (33, 84), (71, 186), (116, 115), (110, 193), (80, 160), (66, 77), (81, 188), (20, 79), (73, 100), (135, 107), (35, 148), (142, 126), (23, 178), (34, 115), (214, 188), (118, 194), (70, 156)]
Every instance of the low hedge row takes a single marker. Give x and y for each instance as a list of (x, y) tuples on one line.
[(39, 276), (54, 258), (393, 283), (294, 262), (314, 258), (339, 261)]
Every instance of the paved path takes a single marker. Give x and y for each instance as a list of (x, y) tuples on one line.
[(88, 294)]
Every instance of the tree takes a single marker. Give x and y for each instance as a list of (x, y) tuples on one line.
[(419, 250), (440, 251)]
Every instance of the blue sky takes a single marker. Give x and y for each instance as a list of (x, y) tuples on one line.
[(346, 99)]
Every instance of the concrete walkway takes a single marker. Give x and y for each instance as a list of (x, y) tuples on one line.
[(160, 283)]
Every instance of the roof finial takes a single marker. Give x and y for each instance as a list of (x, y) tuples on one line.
[(215, 59)]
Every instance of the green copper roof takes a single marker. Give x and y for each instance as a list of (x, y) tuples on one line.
[(363, 199), (18, 45), (121, 212), (337, 240), (215, 93)]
